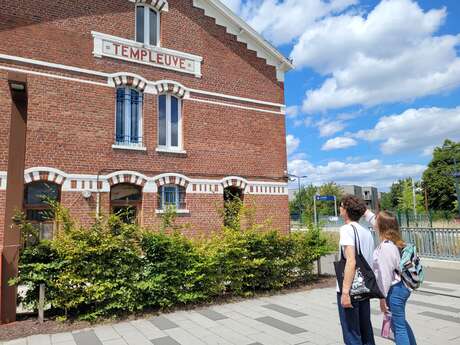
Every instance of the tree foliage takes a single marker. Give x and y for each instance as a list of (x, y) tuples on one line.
[(113, 268), (303, 201), (438, 179)]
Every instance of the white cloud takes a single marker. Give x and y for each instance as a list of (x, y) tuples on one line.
[(372, 172), (328, 128), (292, 143), (388, 55), (415, 130), (292, 111), (339, 143), (283, 21)]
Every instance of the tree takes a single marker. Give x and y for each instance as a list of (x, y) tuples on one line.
[(304, 200), (386, 202), (326, 208), (406, 200), (438, 179)]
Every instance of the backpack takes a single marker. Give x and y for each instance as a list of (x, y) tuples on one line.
[(410, 267)]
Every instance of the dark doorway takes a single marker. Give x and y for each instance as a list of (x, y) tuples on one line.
[(233, 204), (126, 201)]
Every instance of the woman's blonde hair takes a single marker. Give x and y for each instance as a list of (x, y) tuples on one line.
[(388, 228)]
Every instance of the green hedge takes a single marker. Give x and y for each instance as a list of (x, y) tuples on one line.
[(112, 268)]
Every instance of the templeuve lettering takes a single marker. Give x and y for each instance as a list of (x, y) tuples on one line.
[(149, 56)]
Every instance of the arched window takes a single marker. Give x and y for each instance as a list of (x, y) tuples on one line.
[(173, 196), (169, 122), (125, 201), (37, 198), (147, 25), (129, 117)]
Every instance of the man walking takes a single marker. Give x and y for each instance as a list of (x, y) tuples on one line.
[(355, 317)]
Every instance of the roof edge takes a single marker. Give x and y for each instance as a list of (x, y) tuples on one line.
[(224, 16)]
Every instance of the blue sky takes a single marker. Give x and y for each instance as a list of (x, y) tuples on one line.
[(376, 84)]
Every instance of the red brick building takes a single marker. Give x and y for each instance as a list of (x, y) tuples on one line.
[(142, 103)]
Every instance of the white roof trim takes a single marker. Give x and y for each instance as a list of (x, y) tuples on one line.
[(244, 33)]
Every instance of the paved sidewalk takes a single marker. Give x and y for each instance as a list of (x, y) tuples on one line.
[(308, 317)]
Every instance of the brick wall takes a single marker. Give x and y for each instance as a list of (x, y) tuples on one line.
[(71, 125), (60, 31)]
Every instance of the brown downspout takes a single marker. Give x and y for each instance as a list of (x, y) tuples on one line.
[(14, 195)]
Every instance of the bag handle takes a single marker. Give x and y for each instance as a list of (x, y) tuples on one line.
[(357, 243)]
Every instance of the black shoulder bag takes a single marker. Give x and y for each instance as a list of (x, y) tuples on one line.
[(364, 284)]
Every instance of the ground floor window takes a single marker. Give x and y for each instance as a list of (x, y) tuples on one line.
[(126, 201), (38, 199), (172, 196)]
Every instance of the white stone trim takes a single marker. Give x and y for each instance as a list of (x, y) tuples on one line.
[(3, 180), (47, 75), (85, 182), (179, 211), (110, 75), (161, 149), (102, 47), (244, 33), (236, 106), (159, 5), (129, 147)]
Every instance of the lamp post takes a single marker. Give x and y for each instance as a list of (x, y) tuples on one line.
[(299, 200)]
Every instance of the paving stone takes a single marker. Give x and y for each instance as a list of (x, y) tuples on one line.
[(86, 338), (184, 337), (61, 337), (106, 333), (435, 306), (22, 341), (441, 316), (211, 314), (39, 339), (148, 329), (165, 341), (284, 310), (114, 342), (281, 325), (162, 323)]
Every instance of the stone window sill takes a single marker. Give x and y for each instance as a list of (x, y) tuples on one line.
[(176, 211), (129, 147), (168, 150)]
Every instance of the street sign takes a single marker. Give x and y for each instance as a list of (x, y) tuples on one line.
[(325, 198), (457, 174)]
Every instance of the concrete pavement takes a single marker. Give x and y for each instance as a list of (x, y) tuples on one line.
[(308, 317)]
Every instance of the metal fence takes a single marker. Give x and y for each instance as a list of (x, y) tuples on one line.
[(433, 243)]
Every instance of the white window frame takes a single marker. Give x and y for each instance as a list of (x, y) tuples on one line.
[(147, 8), (168, 147), (127, 113), (162, 206)]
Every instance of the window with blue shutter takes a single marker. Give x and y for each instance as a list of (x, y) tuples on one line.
[(172, 196), (129, 117)]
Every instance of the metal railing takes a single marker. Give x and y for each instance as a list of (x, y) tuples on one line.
[(437, 243)]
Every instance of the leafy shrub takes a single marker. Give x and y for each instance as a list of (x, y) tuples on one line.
[(113, 268)]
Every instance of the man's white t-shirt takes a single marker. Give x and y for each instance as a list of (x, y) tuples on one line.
[(366, 241)]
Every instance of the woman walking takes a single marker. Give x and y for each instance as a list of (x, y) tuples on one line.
[(387, 271)]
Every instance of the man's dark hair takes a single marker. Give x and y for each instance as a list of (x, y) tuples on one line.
[(354, 206)]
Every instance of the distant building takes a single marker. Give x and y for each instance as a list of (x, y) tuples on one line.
[(369, 194)]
